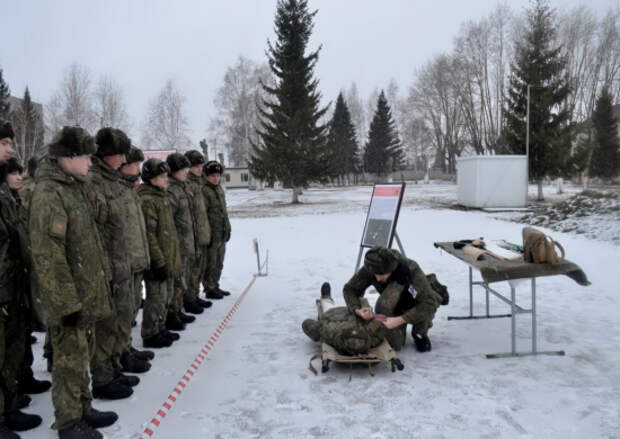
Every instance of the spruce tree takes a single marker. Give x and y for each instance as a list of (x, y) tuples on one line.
[(606, 148), (4, 96), (540, 64), (341, 141), (383, 152), (292, 141)]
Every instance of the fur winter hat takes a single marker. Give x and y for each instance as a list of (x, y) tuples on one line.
[(112, 141), (134, 155), (71, 142), (379, 260), (177, 161), (152, 168), (8, 167), (195, 157), (6, 129), (212, 167)]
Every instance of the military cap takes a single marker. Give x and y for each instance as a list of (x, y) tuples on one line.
[(379, 260), (152, 168), (71, 142), (212, 167), (177, 161), (195, 157), (112, 141), (134, 155), (6, 129)]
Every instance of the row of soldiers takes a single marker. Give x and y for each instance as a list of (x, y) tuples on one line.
[(81, 240)]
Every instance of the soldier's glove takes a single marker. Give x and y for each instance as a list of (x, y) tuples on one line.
[(70, 320), (228, 236), (161, 273)]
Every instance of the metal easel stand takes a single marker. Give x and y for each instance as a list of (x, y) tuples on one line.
[(359, 255), (265, 265), (514, 308)]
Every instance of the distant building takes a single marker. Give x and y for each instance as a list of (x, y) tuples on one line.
[(40, 148), (236, 178), (160, 154)]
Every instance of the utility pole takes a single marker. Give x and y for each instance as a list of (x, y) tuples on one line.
[(527, 144)]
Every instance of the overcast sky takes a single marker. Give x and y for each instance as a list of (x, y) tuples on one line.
[(142, 43)]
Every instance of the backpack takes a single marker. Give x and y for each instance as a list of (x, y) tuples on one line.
[(540, 248)]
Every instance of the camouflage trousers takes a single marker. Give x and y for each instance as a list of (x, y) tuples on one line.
[(195, 275), (73, 349), (387, 304), (215, 263), (113, 335), (181, 286), (13, 330), (155, 306)]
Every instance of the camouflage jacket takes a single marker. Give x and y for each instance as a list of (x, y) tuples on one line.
[(67, 253), (426, 300), (179, 197), (201, 220), (111, 203), (14, 246), (160, 230), (136, 229), (216, 208)]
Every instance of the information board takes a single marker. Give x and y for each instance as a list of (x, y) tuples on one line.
[(383, 214)]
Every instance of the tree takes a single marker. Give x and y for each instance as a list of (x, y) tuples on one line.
[(109, 105), (606, 152), (72, 104), (383, 153), (292, 140), (237, 103), (342, 141), (539, 63), (28, 127), (166, 123), (4, 96)]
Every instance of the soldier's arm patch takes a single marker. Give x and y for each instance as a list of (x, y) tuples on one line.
[(58, 226)]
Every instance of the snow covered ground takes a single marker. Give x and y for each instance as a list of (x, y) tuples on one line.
[(255, 382)]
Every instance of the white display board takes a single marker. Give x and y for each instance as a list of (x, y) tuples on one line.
[(383, 215)]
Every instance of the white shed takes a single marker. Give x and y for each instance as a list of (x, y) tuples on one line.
[(492, 181)]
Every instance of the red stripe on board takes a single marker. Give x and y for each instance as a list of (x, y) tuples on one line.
[(189, 371), (168, 406), (155, 422), (177, 390), (186, 378), (161, 413), (149, 431), (387, 191), (172, 398)]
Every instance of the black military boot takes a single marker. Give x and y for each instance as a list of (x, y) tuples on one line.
[(173, 323), (422, 342), (127, 380), (133, 364), (7, 433), (23, 401), (156, 341), (20, 421), (142, 355), (223, 292), (97, 419), (79, 430), (172, 336), (193, 307), (112, 390), (204, 303), (33, 386), (326, 290), (214, 294), (185, 318)]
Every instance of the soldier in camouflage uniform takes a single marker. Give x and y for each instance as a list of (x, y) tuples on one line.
[(202, 229), (14, 294), (111, 201), (130, 173), (163, 250), (406, 296), (180, 196), (220, 229), (73, 294), (27, 187)]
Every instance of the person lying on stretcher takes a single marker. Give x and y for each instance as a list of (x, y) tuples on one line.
[(407, 296)]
